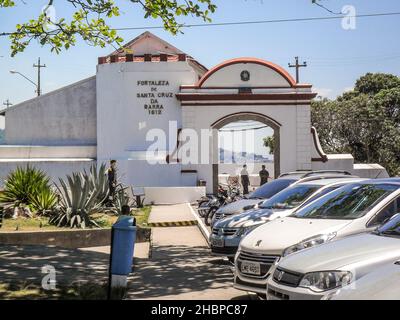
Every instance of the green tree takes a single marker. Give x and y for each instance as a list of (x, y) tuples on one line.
[(91, 22), (269, 142), (364, 122)]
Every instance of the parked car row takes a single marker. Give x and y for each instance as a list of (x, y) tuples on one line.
[(326, 235)]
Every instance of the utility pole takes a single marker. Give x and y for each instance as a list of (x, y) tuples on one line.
[(38, 81), (7, 103), (298, 66)]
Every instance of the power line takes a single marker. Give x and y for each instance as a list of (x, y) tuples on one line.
[(234, 23)]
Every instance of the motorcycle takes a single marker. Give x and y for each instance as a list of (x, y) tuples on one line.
[(222, 198)]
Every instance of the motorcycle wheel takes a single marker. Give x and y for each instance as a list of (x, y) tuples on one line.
[(209, 216)]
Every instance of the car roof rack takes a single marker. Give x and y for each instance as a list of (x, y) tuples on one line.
[(328, 176), (321, 172), (306, 173), (292, 173)]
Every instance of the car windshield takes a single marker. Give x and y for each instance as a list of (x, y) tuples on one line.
[(271, 188), (392, 227), (349, 202), (290, 197)]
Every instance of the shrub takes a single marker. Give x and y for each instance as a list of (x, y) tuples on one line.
[(44, 201), (81, 195), (23, 185), (121, 198)]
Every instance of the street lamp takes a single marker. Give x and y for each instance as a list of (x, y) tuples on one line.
[(35, 84)]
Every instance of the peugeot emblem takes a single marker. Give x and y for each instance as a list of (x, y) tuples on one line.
[(258, 243), (280, 275)]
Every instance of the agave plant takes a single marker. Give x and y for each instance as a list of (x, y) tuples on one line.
[(121, 198), (98, 181), (81, 195), (22, 185), (43, 201)]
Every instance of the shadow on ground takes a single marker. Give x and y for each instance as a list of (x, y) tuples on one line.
[(175, 270), (23, 264)]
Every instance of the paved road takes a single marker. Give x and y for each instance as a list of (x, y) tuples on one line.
[(24, 263), (181, 267)]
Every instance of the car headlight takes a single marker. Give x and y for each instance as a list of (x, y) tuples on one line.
[(326, 280), (308, 243)]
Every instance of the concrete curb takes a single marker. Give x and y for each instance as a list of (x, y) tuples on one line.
[(173, 224), (200, 224), (73, 239)]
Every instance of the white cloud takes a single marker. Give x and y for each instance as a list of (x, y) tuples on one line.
[(347, 89), (324, 92)]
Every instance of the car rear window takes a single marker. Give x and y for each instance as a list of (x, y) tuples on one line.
[(348, 202), (271, 188), (290, 198)]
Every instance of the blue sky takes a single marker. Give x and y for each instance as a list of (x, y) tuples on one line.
[(336, 57)]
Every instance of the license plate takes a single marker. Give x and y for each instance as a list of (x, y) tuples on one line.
[(217, 242), (250, 267)]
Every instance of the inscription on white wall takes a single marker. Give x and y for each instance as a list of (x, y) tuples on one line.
[(154, 93)]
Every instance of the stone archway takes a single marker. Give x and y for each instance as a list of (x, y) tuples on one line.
[(240, 116)]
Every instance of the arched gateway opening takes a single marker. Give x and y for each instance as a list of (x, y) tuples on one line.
[(250, 89), (241, 117)]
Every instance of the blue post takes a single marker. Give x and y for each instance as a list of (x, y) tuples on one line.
[(123, 238)]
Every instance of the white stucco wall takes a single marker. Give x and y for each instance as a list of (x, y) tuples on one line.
[(303, 143), (260, 76), (123, 122), (203, 117), (66, 116), (55, 169), (46, 152)]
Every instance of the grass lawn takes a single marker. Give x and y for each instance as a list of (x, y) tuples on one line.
[(42, 223), (142, 216)]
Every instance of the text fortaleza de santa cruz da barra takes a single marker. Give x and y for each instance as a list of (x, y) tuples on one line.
[(153, 104)]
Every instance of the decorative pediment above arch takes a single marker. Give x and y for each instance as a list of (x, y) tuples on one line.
[(246, 81), (246, 72)]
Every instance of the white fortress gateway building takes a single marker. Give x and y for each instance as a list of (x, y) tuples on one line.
[(155, 88)]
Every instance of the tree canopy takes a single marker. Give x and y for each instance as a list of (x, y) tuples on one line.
[(364, 122), (91, 21)]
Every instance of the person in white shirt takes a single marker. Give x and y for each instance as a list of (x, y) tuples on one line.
[(244, 176)]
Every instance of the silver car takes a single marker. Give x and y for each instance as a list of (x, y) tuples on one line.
[(354, 208), (381, 284), (321, 271), (269, 189), (227, 233)]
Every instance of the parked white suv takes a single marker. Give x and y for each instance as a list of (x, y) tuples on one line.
[(321, 271), (351, 209)]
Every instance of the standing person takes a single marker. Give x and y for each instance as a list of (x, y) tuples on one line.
[(112, 178), (244, 176), (264, 175)]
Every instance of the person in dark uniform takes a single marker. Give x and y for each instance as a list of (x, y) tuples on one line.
[(112, 178), (244, 176), (264, 175)]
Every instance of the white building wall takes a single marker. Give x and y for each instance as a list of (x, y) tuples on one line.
[(54, 168), (66, 116), (123, 123), (202, 117), (303, 133)]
